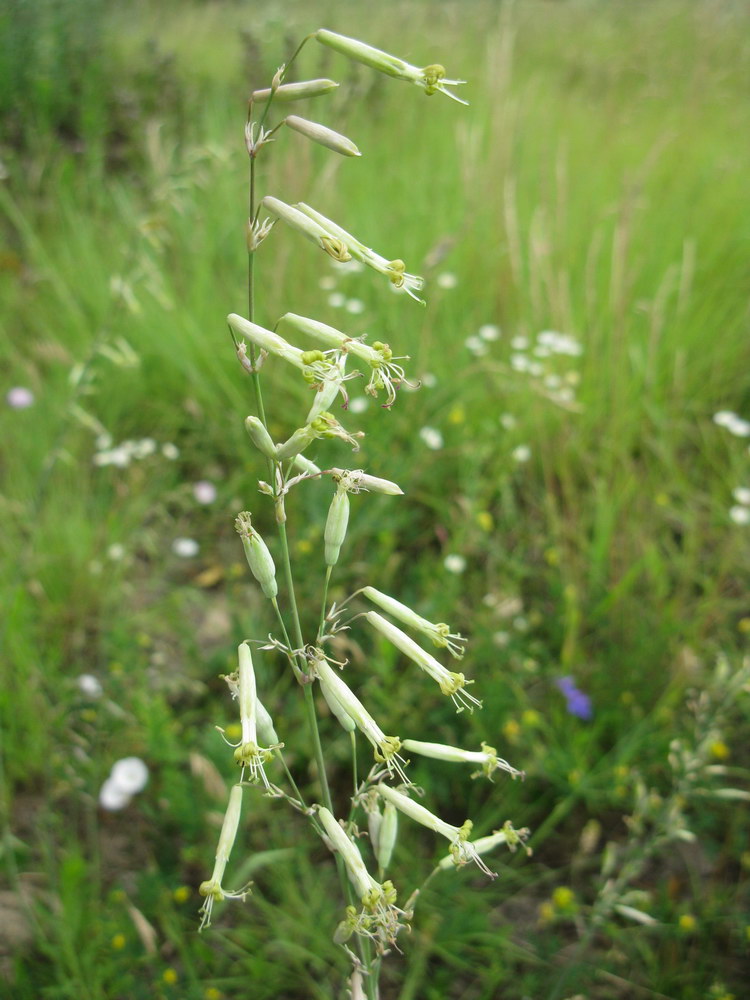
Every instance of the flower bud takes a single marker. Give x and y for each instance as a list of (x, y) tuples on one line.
[(357, 480), (296, 91), (260, 437), (322, 135), (308, 227), (431, 78), (335, 531), (259, 559), (266, 730), (305, 465), (387, 836), (347, 722), (291, 448)]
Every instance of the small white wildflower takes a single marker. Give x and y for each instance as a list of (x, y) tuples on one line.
[(446, 280), (519, 363), (428, 380), (204, 491), (742, 495), (116, 552), (103, 441), (432, 438), (454, 563), (355, 306), (359, 404), (19, 398), (336, 300), (477, 346), (519, 343), (501, 639), (489, 331), (327, 283), (740, 515), (90, 686), (119, 457), (535, 369), (522, 453), (738, 427), (521, 623), (552, 381), (130, 774), (508, 421), (170, 451), (143, 448), (724, 417), (112, 797), (560, 343), (185, 548), (565, 395)]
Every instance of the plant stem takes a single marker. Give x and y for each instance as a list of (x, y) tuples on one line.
[(325, 601)]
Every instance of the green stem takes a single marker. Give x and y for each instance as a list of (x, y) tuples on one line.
[(325, 602), (353, 736)]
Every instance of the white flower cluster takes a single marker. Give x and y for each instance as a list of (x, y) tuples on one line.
[(127, 777), (733, 423), (123, 454), (740, 512)]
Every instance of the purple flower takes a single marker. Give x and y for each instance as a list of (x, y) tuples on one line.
[(578, 703), (19, 397)]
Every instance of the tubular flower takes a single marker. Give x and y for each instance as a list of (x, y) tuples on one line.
[(386, 374), (325, 425), (450, 683), (356, 480), (386, 748), (380, 917), (486, 757), (327, 390), (394, 270), (440, 634), (508, 835), (212, 888), (309, 228), (462, 850), (430, 79), (247, 752), (317, 368)]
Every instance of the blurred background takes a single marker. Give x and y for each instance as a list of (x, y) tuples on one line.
[(576, 468)]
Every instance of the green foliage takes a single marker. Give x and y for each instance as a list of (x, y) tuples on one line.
[(600, 191)]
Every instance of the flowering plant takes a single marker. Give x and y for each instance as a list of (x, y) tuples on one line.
[(373, 916)]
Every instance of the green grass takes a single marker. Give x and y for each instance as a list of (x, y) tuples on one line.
[(596, 186)]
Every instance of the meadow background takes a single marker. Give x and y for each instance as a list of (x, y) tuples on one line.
[(576, 512)]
